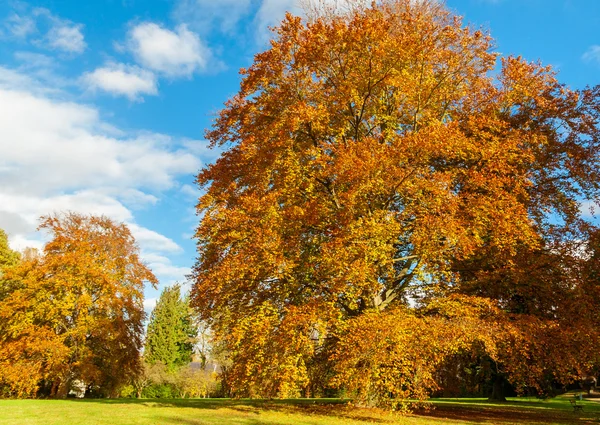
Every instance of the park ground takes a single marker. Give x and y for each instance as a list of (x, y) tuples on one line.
[(521, 411)]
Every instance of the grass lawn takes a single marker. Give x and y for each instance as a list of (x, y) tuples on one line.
[(520, 411)]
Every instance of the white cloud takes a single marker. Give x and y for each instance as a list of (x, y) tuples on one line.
[(153, 241), (66, 37), (58, 33), (592, 54), (589, 209), (31, 60), (20, 26), (64, 146), (178, 53), (201, 149), (149, 304), (204, 15), (124, 80), (164, 270), (136, 198), (58, 156), (271, 12), (190, 191), (11, 79)]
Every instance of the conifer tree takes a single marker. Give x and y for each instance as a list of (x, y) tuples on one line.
[(171, 333)]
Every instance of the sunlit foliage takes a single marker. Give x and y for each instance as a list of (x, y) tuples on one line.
[(75, 312), (393, 193)]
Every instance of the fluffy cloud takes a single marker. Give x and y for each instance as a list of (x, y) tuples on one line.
[(149, 304), (64, 146), (206, 14), (66, 37), (57, 155), (20, 26), (226, 15), (271, 12), (161, 266), (589, 209), (153, 241), (123, 80), (178, 53), (60, 34)]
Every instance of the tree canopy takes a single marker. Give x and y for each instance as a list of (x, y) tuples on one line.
[(75, 312), (388, 198), (8, 257)]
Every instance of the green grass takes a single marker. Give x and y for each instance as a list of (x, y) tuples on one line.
[(520, 411)]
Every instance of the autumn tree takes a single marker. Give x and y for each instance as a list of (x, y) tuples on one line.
[(76, 311), (171, 332), (8, 257), (386, 188)]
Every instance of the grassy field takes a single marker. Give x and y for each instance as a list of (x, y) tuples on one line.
[(299, 412)]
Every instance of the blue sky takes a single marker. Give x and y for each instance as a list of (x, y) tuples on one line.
[(103, 104)]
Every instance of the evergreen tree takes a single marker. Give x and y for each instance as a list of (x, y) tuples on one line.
[(171, 331)]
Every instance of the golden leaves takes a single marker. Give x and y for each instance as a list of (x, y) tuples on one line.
[(76, 312), (377, 161)]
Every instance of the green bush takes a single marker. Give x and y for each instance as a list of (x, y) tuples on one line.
[(160, 391), (128, 391)]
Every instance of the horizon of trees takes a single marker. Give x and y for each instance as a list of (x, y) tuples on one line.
[(72, 319), (397, 214)]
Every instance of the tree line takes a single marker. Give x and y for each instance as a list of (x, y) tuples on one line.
[(397, 211)]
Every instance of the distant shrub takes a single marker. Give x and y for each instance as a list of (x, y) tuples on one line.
[(160, 391)]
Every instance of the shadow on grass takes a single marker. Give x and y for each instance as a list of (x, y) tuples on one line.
[(511, 412), (336, 408), (466, 410), (214, 403)]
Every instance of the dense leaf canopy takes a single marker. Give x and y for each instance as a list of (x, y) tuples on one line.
[(75, 312), (384, 180)]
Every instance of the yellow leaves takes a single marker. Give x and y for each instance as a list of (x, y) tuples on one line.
[(375, 157), (268, 349), (83, 297)]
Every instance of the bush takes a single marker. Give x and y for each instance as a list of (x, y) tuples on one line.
[(160, 391), (127, 391)]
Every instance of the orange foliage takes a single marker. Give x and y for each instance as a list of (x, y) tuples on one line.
[(372, 158), (75, 312)]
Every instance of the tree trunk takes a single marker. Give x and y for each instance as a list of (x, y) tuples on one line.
[(497, 388)]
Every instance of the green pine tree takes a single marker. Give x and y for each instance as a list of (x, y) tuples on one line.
[(171, 332)]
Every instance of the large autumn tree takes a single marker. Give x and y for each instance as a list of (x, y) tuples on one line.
[(75, 312), (390, 195)]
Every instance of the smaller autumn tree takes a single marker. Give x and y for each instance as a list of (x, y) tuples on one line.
[(75, 312), (171, 331)]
